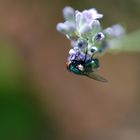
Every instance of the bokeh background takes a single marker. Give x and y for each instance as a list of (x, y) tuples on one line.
[(41, 100)]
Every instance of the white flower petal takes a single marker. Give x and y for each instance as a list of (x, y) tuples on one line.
[(108, 31), (114, 31), (68, 13), (87, 20), (68, 28), (72, 51), (78, 18), (91, 14), (84, 29), (118, 30), (95, 14), (95, 28), (61, 27), (94, 23), (70, 25)]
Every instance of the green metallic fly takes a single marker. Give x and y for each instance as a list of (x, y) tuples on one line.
[(85, 67)]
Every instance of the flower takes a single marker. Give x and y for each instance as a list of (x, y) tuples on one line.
[(76, 54), (87, 16), (86, 21), (66, 28), (61, 27), (86, 28), (88, 40), (78, 23), (114, 31), (68, 13), (92, 50), (99, 36), (84, 31), (81, 44)]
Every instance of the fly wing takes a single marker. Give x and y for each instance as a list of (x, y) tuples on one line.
[(96, 77)]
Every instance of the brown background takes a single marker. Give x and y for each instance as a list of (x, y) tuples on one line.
[(82, 108)]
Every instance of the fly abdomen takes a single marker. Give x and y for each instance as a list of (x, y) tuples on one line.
[(91, 65)]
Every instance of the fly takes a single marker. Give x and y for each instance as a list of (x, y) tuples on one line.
[(86, 68)]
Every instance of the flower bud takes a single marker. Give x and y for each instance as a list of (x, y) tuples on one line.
[(61, 27), (67, 28), (114, 31), (71, 26), (84, 29), (95, 23), (82, 44), (95, 26), (108, 32), (92, 50), (68, 13), (118, 30), (99, 37), (76, 55)]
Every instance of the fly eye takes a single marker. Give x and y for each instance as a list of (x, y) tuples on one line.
[(99, 37), (82, 44)]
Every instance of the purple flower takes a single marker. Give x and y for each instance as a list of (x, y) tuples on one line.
[(114, 31), (87, 22), (66, 28), (79, 44), (68, 13), (99, 36), (91, 14), (76, 55), (87, 16)]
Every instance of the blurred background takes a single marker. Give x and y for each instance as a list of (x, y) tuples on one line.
[(41, 100)]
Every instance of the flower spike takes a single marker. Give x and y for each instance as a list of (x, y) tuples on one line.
[(88, 40)]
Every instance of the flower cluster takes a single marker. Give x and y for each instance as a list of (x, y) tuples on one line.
[(83, 29)]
